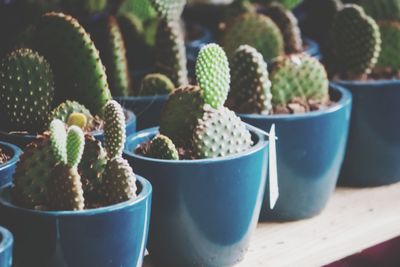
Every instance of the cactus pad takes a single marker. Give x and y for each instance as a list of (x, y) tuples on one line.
[(58, 140), (156, 84), (114, 129), (66, 109), (75, 145), (251, 87), (356, 41), (220, 133), (77, 119), (255, 30), (161, 147), (382, 9), (169, 9), (212, 72), (390, 35), (26, 91)]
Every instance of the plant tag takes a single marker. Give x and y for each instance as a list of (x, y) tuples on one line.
[(273, 170)]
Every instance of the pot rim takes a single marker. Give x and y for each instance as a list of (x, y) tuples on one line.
[(6, 238), (345, 100), (261, 144), (149, 98), (15, 157), (144, 194), (376, 83)]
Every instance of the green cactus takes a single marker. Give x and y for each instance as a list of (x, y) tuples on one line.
[(390, 35), (142, 9), (111, 45), (77, 119), (156, 84), (212, 72), (220, 133), (161, 147), (75, 146), (84, 7), (170, 52), (288, 25), (114, 129), (298, 76), (289, 4), (118, 182), (255, 30), (26, 91), (169, 9), (79, 73), (237, 8), (356, 42), (67, 108), (251, 87), (382, 9), (58, 140)]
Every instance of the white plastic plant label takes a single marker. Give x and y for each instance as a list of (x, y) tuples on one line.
[(273, 170)]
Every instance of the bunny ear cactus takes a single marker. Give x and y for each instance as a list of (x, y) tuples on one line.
[(251, 88), (78, 70), (114, 129), (356, 41), (156, 84), (169, 9), (161, 147), (65, 110), (26, 90), (390, 35), (255, 30)]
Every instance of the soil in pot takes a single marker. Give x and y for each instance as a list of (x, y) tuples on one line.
[(4, 156)]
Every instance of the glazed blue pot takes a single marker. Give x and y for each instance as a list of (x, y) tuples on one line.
[(312, 48), (373, 153), (310, 151), (147, 108), (204, 211), (7, 169), (22, 140), (6, 247), (104, 237)]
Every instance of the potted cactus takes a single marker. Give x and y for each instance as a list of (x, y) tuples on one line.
[(9, 155), (74, 202), (365, 45), (311, 123), (6, 246), (208, 170), (44, 82)]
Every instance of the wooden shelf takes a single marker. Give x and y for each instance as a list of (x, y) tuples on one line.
[(355, 219)]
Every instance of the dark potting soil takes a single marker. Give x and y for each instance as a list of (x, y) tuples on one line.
[(4, 157), (298, 106), (183, 152)]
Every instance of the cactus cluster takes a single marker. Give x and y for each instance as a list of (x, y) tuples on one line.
[(65, 110), (66, 170), (194, 118)]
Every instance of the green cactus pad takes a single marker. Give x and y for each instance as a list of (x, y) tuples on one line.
[(156, 84), (114, 129), (169, 9), (77, 119), (298, 76), (58, 140), (65, 189), (288, 25), (170, 52), (111, 45), (119, 182), (237, 8), (356, 41), (220, 133), (212, 72), (26, 91), (390, 54), (161, 147), (289, 4), (75, 146), (251, 87), (78, 70), (255, 30), (382, 9), (181, 111), (64, 111)]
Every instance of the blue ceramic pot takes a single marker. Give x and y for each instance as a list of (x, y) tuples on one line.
[(6, 247), (310, 151), (22, 140), (373, 153), (7, 169), (312, 48), (104, 237), (147, 108), (203, 210)]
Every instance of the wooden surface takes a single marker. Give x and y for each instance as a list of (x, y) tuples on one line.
[(355, 219)]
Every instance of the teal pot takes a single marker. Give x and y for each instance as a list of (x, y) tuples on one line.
[(204, 211), (22, 140), (7, 169), (104, 237), (6, 247), (310, 151), (373, 154)]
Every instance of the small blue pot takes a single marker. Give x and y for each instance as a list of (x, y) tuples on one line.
[(6, 247), (22, 140), (310, 152), (7, 169), (373, 153), (147, 108), (312, 48), (204, 211), (104, 237)]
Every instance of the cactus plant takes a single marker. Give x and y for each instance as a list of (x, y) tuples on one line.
[(169, 9), (114, 129), (78, 70), (156, 84), (26, 90), (251, 88), (390, 36), (356, 41), (161, 147), (382, 9), (255, 30), (66, 109)]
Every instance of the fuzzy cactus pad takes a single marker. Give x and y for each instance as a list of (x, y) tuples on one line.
[(161, 147)]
